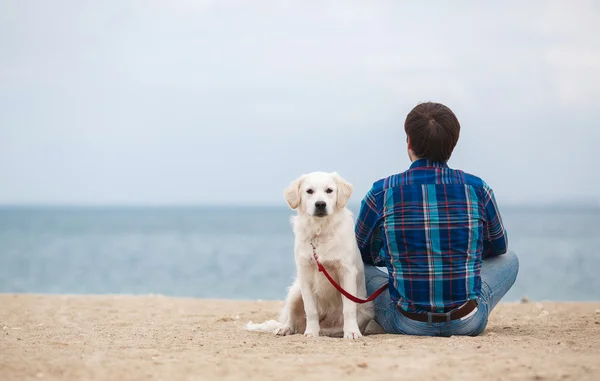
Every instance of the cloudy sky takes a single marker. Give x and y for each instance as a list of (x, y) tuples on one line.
[(194, 102)]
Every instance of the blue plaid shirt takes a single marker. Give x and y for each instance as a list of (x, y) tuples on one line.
[(430, 226)]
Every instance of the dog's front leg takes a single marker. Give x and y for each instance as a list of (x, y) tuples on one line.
[(348, 277), (310, 308)]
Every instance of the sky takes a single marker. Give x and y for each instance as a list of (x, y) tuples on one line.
[(226, 102)]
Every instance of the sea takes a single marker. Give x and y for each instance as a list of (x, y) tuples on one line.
[(246, 252)]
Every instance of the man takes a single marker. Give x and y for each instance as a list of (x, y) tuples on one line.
[(439, 233)]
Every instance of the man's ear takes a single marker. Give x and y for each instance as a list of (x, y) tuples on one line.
[(344, 190), (292, 192), (409, 150)]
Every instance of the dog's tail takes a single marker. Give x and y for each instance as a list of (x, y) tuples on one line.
[(268, 326)]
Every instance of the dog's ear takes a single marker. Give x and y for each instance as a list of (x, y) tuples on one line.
[(344, 190), (292, 192)]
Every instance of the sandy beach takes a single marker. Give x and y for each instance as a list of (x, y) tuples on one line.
[(162, 338)]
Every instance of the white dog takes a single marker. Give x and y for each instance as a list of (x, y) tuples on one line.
[(313, 306)]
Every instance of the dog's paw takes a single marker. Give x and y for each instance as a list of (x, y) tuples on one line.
[(283, 331), (352, 335), (311, 333)]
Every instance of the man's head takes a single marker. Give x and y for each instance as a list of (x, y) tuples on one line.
[(432, 132)]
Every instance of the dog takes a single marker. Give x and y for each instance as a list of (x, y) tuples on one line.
[(313, 306)]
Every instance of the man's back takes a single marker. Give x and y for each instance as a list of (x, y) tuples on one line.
[(440, 235), (430, 226)]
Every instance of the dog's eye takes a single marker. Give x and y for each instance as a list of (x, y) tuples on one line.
[(309, 191), (329, 190)]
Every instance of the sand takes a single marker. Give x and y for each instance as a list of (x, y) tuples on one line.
[(115, 338)]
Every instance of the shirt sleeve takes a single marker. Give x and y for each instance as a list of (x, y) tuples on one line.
[(495, 238), (369, 242)]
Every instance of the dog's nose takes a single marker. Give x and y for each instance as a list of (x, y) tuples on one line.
[(321, 205)]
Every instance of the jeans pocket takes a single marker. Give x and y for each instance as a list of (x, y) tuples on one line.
[(479, 327), (478, 322), (473, 325)]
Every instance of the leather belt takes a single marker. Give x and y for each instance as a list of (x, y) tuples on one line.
[(439, 317)]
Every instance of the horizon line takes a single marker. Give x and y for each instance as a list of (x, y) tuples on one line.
[(589, 204)]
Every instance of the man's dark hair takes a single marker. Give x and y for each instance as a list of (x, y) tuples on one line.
[(433, 130)]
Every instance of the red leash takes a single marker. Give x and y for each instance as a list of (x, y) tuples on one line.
[(339, 288)]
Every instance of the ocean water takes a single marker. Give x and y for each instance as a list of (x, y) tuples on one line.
[(245, 252)]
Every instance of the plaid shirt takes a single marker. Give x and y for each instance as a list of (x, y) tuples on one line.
[(431, 226)]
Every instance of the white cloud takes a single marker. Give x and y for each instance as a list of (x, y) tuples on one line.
[(95, 93)]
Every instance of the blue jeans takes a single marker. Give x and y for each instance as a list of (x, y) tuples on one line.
[(498, 274)]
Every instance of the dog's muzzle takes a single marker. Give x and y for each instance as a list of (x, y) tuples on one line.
[(320, 209)]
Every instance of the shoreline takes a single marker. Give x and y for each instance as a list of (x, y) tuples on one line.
[(157, 337), (522, 300)]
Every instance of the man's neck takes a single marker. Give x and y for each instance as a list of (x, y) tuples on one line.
[(413, 157)]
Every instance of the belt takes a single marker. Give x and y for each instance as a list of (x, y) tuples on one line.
[(438, 317)]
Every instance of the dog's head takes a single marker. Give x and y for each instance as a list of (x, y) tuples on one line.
[(318, 194)]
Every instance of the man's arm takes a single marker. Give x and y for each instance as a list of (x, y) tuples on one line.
[(369, 242), (495, 238)]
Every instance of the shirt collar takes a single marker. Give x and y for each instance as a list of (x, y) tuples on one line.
[(421, 163)]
